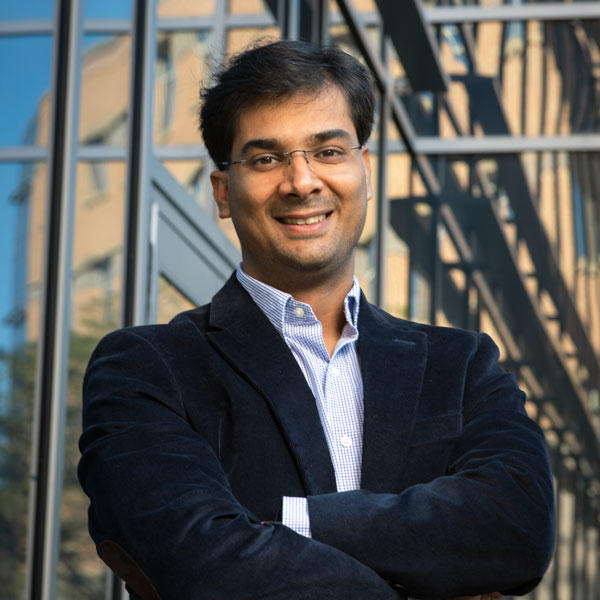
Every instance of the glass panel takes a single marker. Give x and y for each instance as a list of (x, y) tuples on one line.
[(181, 64), (547, 72), (240, 39), (22, 216), (397, 275), (408, 241), (247, 7), (194, 176), (25, 71), (96, 301), (32, 9), (454, 293), (105, 75), (363, 6), (170, 301), (108, 9), (365, 254), (452, 51), (185, 8), (564, 189)]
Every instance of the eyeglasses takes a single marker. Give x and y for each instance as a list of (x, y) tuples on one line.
[(324, 158)]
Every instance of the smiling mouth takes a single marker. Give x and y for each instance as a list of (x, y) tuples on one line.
[(304, 221)]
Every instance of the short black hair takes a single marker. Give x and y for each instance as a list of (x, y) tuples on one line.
[(277, 71)]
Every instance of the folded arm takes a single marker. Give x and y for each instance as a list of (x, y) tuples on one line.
[(158, 490), (485, 526)]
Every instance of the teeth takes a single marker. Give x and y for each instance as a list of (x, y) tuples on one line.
[(308, 221)]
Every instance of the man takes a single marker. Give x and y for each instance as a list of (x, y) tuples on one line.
[(290, 440)]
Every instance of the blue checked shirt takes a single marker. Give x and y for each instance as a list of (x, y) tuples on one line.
[(335, 381)]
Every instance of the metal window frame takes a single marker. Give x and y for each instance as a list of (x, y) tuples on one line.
[(51, 370), (547, 11)]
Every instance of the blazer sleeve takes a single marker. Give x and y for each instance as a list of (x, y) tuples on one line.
[(160, 496), (487, 525)]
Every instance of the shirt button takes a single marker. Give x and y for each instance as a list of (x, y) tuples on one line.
[(299, 311), (346, 441), (334, 371)]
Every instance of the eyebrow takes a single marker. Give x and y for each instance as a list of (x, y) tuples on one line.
[(261, 144), (315, 138)]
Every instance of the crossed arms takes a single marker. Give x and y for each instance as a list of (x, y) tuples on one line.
[(160, 491)]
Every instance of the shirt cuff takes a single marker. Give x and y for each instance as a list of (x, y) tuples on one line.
[(295, 515)]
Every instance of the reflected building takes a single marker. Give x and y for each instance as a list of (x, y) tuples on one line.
[(485, 159)]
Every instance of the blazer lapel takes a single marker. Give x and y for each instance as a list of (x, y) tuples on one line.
[(245, 337), (393, 359)]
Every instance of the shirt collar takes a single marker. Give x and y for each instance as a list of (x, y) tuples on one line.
[(274, 302)]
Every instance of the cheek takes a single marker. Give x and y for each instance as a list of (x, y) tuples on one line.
[(246, 198)]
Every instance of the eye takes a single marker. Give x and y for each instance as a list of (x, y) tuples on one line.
[(330, 154), (264, 162)]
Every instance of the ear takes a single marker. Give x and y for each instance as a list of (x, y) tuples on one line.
[(220, 186), (367, 165)]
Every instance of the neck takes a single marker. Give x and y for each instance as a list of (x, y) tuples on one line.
[(326, 298)]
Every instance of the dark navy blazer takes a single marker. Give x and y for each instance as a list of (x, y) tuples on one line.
[(195, 430)]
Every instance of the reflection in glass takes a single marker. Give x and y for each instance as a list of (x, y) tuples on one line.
[(239, 39), (194, 176), (247, 7), (182, 61), (22, 215), (96, 301), (185, 8), (32, 9), (108, 9), (24, 83), (170, 301), (105, 90)]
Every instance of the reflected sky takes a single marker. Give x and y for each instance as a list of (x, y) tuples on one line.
[(10, 175), (44, 9), (25, 63), (30, 9)]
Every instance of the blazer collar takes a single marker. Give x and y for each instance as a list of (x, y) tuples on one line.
[(244, 336), (392, 356)]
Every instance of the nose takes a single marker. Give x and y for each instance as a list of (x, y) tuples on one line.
[(299, 180)]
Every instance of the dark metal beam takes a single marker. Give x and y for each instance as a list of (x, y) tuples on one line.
[(417, 48), (139, 149), (51, 370)]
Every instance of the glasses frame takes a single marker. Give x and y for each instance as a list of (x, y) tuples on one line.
[(287, 154)]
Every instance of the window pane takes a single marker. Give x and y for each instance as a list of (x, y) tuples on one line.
[(96, 301), (22, 215), (24, 83), (170, 301), (108, 9), (194, 176), (245, 7), (546, 74), (181, 65), (185, 8), (32, 9), (105, 75), (240, 39)]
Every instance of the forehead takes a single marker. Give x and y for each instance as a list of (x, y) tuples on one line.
[(295, 119)]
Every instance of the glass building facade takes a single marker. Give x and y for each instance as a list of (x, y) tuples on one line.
[(486, 216)]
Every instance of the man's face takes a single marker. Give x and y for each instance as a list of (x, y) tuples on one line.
[(299, 218)]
